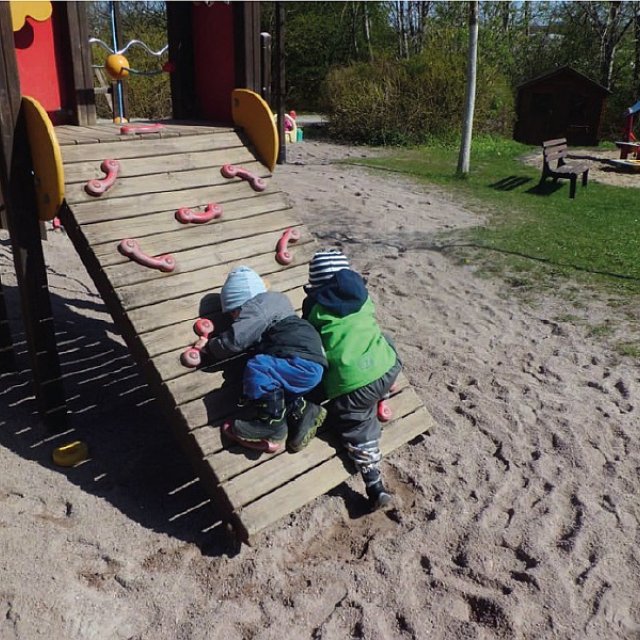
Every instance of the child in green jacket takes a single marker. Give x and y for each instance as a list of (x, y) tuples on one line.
[(363, 365)]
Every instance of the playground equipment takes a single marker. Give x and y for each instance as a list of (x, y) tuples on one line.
[(629, 145), (156, 270)]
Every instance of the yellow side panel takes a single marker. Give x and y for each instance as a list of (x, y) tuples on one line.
[(39, 10), (46, 158), (253, 114)]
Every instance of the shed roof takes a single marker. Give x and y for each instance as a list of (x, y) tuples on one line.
[(568, 71)]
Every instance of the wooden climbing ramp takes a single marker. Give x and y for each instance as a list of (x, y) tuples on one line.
[(158, 173)]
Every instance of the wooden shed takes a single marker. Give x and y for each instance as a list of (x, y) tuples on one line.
[(560, 104)]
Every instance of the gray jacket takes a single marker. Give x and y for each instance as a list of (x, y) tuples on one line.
[(268, 324)]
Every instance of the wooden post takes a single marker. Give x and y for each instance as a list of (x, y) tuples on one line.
[(7, 355), (16, 181), (265, 67), (280, 82), (180, 39), (246, 19), (78, 31)]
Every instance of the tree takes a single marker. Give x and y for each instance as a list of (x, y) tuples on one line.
[(470, 94)]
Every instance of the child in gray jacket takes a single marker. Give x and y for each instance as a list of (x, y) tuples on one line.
[(287, 361)]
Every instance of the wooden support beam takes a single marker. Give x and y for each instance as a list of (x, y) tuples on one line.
[(85, 100), (279, 88), (180, 39), (7, 355), (16, 181)]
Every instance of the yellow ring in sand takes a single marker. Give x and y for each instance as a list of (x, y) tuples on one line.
[(68, 455)]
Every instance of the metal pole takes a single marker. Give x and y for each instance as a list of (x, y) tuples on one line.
[(280, 81), (115, 36)]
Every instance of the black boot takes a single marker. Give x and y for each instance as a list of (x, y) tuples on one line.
[(304, 419), (267, 429), (379, 497)]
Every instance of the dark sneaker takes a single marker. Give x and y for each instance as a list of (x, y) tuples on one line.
[(379, 497), (304, 418), (260, 435)]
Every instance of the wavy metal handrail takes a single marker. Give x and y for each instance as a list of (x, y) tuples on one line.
[(106, 47)]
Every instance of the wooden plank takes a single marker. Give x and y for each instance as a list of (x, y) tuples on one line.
[(169, 312), (179, 336), (209, 439), (144, 147), (161, 182), (323, 478), (136, 167), (177, 285), (223, 455), (131, 273), (240, 219), (276, 471), (132, 206)]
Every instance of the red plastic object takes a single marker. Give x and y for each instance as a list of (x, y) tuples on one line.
[(141, 128), (130, 248), (231, 171), (282, 249), (191, 358), (384, 411), (211, 212), (203, 327), (98, 186)]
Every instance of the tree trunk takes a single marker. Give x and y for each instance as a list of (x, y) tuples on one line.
[(470, 94)]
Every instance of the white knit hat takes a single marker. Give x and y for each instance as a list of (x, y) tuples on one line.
[(324, 265), (241, 285)]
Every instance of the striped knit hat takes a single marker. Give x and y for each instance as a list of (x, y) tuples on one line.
[(324, 265)]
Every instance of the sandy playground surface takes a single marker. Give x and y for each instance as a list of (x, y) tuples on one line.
[(519, 514)]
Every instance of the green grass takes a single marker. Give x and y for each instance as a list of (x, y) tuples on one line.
[(535, 236)]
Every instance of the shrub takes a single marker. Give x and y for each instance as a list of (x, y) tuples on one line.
[(411, 101)]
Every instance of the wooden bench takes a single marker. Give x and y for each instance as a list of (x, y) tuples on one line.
[(556, 166)]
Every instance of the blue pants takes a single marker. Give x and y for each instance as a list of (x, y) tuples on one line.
[(264, 374)]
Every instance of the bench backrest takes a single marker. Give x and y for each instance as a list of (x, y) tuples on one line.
[(554, 150)]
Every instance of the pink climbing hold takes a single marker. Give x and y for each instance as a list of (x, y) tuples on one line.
[(98, 186), (211, 212), (191, 358), (384, 411), (283, 256), (131, 249), (141, 128), (203, 327), (231, 171)]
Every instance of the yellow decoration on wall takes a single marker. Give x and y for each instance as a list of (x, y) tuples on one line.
[(39, 10), (46, 159), (253, 114)]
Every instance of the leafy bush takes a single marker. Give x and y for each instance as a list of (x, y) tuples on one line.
[(412, 101)]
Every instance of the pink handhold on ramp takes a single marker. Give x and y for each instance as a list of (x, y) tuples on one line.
[(191, 358), (141, 128), (98, 186), (283, 256), (211, 212), (231, 171), (203, 327), (131, 249), (384, 411)]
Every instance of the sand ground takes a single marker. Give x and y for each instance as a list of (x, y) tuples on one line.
[(519, 514)]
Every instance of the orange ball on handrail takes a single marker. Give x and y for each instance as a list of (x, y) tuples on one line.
[(116, 66)]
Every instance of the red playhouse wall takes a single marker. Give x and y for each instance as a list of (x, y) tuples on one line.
[(41, 68), (214, 60)]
